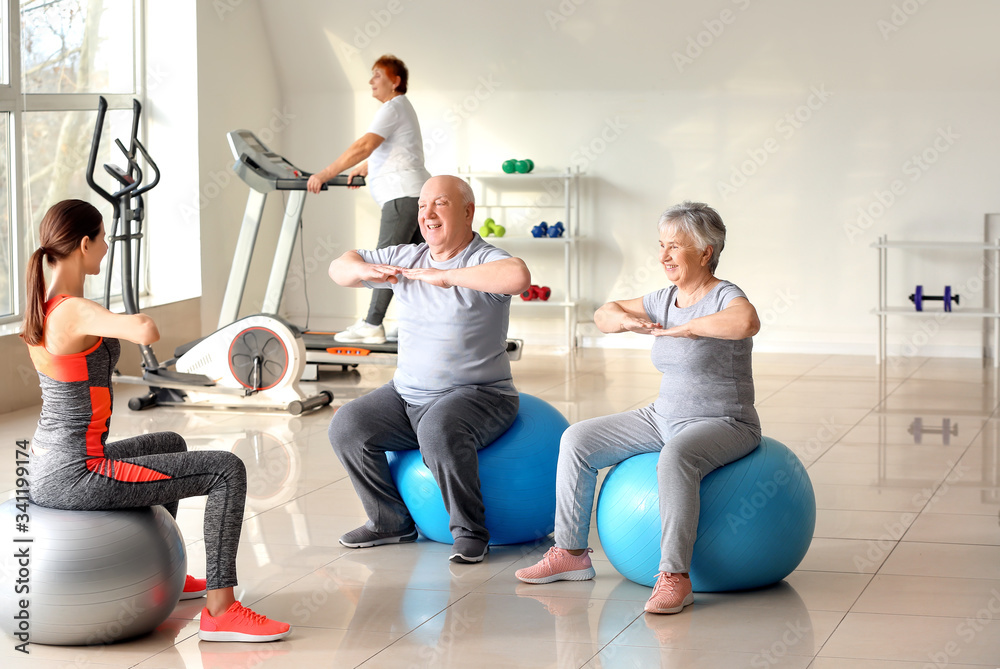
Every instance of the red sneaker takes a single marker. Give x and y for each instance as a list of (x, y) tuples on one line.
[(239, 623), (194, 588)]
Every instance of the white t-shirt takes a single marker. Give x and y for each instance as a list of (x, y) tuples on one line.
[(448, 337), (396, 167)]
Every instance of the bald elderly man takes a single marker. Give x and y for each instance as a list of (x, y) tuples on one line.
[(452, 393)]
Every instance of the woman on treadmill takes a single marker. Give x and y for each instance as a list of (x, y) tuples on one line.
[(391, 156)]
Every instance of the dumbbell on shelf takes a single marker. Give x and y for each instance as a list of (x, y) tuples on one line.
[(918, 298), (543, 229), (536, 293), (519, 166), (491, 227), (918, 429)]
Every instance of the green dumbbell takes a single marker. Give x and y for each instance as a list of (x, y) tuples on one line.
[(490, 226)]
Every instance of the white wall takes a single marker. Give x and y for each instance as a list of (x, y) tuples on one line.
[(173, 234), (658, 104), (237, 88)]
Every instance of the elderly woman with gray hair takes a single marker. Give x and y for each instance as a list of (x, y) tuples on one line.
[(703, 418)]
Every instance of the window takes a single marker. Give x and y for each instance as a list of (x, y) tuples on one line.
[(71, 52), (7, 286)]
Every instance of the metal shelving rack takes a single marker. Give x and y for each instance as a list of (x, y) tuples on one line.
[(991, 292), (493, 193)]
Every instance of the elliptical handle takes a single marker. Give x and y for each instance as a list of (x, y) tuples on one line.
[(136, 144), (133, 170), (151, 163), (136, 111), (95, 145)]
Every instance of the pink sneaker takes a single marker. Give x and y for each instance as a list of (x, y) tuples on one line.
[(671, 594), (194, 588), (559, 564), (239, 623)]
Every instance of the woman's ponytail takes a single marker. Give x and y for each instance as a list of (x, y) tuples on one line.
[(34, 313), (62, 229)]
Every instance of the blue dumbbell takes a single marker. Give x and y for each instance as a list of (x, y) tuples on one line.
[(540, 230), (556, 230)]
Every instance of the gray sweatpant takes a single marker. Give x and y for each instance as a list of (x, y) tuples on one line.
[(689, 449), (449, 431), (398, 226)]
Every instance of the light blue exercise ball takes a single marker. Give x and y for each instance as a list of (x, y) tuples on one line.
[(92, 577), (755, 523), (517, 475)]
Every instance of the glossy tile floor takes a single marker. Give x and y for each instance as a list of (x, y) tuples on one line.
[(903, 573)]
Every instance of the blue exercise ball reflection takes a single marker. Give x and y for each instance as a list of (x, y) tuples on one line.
[(95, 577), (517, 475), (755, 523)]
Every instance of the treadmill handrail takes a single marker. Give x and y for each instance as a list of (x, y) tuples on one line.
[(264, 181)]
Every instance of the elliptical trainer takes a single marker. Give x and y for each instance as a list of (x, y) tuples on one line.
[(252, 363)]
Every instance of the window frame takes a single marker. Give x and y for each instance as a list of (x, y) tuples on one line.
[(15, 102)]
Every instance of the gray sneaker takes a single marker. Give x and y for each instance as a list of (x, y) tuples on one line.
[(366, 538), (469, 550)]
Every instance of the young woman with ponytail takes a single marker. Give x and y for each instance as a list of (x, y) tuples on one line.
[(74, 345)]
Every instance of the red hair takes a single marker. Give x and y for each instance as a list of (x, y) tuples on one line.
[(394, 67)]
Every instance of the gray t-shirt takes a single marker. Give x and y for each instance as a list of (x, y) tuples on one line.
[(448, 337), (705, 377)]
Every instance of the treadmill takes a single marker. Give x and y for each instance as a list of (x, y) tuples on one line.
[(265, 171)]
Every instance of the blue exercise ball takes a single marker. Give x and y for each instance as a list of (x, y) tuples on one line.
[(755, 523), (517, 476), (93, 577)]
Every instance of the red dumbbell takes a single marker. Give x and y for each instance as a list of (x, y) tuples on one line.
[(536, 293)]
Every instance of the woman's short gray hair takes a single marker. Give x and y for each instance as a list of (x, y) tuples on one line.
[(700, 222)]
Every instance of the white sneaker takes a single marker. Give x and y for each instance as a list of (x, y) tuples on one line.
[(361, 333), (392, 334)]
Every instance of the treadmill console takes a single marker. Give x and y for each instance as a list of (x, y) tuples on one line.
[(265, 171)]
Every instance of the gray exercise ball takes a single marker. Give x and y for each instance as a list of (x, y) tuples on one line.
[(78, 578)]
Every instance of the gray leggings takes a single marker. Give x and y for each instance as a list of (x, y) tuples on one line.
[(398, 226), (449, 431), (689, 449), (152, 469)]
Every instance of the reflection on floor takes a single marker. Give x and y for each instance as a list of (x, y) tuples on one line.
[(904, 571)]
